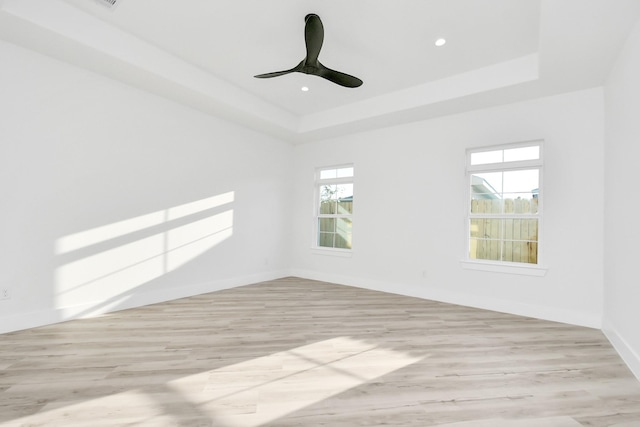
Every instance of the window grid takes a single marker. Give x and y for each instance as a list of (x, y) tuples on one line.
[(504, 226), (334, 208)]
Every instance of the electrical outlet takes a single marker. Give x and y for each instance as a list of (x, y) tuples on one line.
[(4, 293)]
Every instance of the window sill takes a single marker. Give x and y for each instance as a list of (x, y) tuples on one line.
[(521, 269), (344, 253)]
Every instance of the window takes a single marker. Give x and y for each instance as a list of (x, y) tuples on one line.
[(334, 207), (504, 204)]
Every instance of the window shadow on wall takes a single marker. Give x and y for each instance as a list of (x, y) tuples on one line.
[(98, 270)]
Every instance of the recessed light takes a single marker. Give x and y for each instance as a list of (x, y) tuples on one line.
[(440, 42), (304, 89)]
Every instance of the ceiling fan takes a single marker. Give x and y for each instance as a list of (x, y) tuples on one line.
[(313, 37)]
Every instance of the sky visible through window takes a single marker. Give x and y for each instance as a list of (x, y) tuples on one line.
[(509, 184)]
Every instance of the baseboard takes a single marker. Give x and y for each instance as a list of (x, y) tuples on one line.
[(487, 303), (626, 352), (47, 317), (35, 319)]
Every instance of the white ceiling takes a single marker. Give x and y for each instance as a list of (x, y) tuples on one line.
[(205, 53)]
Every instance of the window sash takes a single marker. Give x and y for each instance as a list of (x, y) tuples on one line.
[(505, 164), (504, 240), (336, 234), (503, 246)]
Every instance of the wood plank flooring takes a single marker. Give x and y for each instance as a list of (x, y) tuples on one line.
[(294, 352)]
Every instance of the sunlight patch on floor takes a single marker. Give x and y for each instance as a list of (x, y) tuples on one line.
[(249, 393), (264, 389)]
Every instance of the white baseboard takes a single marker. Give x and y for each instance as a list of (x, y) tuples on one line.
[(626, 352), (487, 303), (35, 319), (55, 315)]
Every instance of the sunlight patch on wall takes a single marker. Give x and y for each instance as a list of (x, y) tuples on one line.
[(97, 235), (109, 262), (191, 240)]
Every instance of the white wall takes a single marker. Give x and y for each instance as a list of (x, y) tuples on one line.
[(98, 182), (622, 203), (113, 198), (408, 231)]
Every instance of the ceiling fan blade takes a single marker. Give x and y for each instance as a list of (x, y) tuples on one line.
[(280, 73), (337, 77), (274, 74), (313, 38)]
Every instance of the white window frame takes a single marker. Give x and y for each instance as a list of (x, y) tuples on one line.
[(318, 183), (467, 262)]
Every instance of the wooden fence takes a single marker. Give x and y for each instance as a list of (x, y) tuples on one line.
[(335, 232), (497, 239), (502, 239)]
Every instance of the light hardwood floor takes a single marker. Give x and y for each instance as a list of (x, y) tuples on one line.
[(294, 352)]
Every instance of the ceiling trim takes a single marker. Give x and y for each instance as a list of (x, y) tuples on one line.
[(565, 61), (509, 73)]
